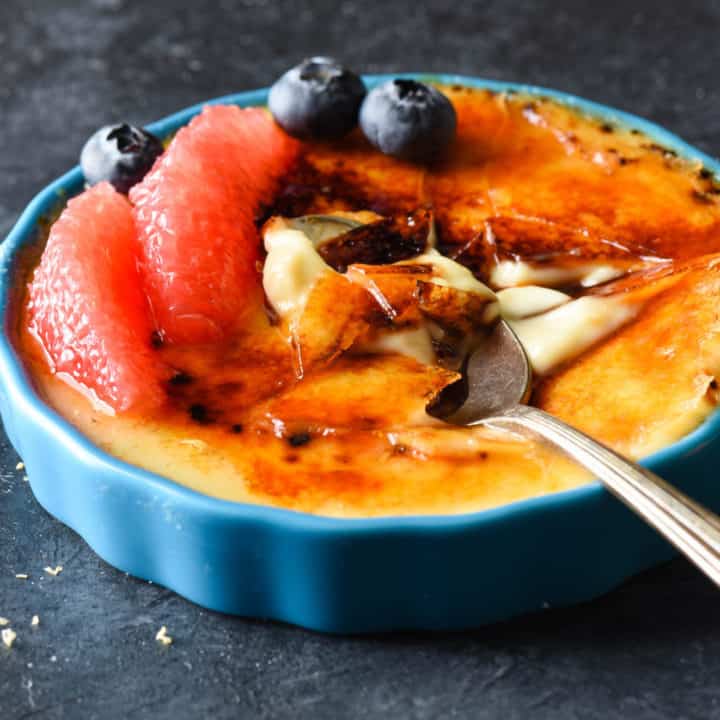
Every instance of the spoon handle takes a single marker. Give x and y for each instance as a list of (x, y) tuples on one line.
[(691, 528)]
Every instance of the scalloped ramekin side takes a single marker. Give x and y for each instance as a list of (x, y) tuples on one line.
[(355, 581)]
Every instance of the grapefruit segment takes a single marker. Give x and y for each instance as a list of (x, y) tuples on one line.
[(86, 305), (195, 217)]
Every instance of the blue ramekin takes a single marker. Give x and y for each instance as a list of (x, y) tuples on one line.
[(333, 575)]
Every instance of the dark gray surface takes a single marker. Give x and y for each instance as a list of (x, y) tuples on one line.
[(649, 650)]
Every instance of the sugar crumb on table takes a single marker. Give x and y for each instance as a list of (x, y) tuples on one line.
[(8, 637), (162, 637)]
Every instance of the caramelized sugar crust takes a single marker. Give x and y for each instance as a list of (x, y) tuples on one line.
[(526, 179)]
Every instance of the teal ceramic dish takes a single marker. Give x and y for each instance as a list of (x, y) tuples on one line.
[(342, 576)]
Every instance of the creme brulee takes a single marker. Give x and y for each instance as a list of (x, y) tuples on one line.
[(599, 247)]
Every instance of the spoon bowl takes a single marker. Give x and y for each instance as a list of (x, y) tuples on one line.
[(497, 383), (497, 376)]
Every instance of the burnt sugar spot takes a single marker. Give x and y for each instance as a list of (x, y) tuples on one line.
[(380, 243), (704, 173), (666, 152), (236, 428), (299, 439), (308, 189), (701, 198), (180, 378), (200, 413)]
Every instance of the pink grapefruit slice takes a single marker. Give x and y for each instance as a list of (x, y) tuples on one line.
[(86, 304), (195, 217)]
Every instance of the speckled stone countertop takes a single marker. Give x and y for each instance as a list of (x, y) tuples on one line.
[(649, 650)]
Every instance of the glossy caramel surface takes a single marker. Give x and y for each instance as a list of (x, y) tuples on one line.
[(526, 179)]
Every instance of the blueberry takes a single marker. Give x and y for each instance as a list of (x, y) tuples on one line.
[(319, 98), (409, 120), (120, 154)]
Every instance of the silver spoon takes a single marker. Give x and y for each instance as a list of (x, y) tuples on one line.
[(498, 379), (320, 228), (498, 382)]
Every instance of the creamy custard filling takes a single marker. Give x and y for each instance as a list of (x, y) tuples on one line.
[(553, 327), (291, 268), (557, 336), (511, 273), (416, 343), (449, 273), (520, 302)]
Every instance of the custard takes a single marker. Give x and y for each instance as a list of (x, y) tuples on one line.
[(319, 403)]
